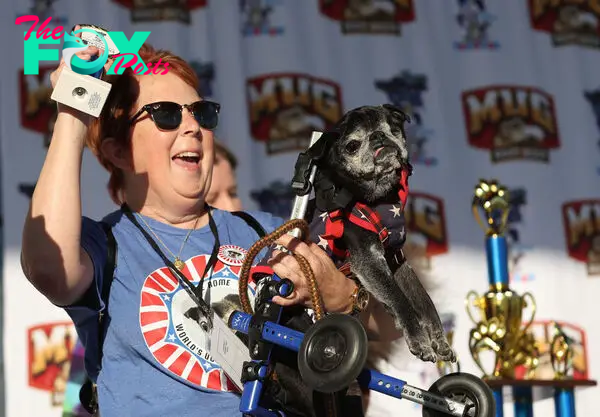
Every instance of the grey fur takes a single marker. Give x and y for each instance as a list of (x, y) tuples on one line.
[(366, 159)]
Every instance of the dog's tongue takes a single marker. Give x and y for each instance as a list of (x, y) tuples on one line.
[(377, 151)]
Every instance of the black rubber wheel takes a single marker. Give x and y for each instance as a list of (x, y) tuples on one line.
[(333, 353), (465, 389)]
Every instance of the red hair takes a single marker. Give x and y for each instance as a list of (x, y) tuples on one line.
[(119, 107)]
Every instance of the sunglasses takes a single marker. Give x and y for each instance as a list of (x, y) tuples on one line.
[(167, 115)]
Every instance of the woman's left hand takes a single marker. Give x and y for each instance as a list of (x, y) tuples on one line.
[(335, 288)]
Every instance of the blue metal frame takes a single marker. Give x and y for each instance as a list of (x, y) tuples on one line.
[(292, 339)]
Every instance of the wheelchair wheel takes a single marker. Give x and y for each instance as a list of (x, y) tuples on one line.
[(466, 389), (333, 353)]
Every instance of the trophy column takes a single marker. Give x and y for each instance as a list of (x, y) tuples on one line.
[(502, 320), (498, 314)]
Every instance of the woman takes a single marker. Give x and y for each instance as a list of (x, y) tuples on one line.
[(155, 138), (223, 193)]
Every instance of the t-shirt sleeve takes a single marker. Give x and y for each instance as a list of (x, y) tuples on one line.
[(84, 312)]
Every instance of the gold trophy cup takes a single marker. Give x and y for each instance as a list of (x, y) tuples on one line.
[(498, 314)]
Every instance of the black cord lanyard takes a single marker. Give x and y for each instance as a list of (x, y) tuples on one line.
[(194, 292)]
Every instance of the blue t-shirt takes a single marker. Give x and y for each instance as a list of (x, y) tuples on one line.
[(155, 361)]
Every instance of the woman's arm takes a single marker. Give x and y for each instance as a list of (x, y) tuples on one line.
[(51, 254)]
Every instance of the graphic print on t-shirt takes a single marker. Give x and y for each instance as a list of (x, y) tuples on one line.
[(169, 317)]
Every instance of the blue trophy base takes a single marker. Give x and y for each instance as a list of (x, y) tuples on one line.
[(525, 392)]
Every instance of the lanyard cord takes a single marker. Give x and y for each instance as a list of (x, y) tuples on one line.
[(194, 292)]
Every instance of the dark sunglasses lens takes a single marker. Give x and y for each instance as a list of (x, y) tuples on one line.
[(167, 116), (207, 114)]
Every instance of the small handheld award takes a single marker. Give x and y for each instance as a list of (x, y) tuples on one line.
[(79, 85)]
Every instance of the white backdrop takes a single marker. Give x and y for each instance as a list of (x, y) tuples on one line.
[(520, 83)]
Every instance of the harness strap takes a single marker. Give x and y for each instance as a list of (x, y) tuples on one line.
[(88, 395), (368, 220)]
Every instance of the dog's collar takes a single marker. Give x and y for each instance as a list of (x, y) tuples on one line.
[(330, 197)]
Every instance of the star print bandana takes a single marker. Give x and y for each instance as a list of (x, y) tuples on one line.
[(391, 229), (388, 222)]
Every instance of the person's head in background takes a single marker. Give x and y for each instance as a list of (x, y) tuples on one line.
[(223, 187)]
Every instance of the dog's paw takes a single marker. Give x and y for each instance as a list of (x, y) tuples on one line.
[(420, 346), (443, 349)]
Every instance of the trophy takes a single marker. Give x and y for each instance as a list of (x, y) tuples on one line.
[(79, 85), (503, 324), (498, 315), (561, 352)]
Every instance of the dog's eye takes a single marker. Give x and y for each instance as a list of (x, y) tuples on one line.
[(353, 146)]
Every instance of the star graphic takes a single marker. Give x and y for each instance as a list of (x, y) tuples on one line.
[(322, 242), (166, 297), (323, 216), (225, 272), (207, 365), (171, 337), (396, 210)]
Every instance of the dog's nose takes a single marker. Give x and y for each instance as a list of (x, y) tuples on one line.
[(377, 139)]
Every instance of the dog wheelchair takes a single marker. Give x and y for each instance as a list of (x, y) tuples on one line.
[(332, 353)]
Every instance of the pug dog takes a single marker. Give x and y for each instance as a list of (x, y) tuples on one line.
[(364, 161)]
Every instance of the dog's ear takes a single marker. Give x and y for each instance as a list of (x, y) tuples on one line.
[(319, 150), (397, 111)]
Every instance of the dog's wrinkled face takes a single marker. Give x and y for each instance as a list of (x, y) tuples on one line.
[(371, 151)]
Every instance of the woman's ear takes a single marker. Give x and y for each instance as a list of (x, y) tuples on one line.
[(116, 153)]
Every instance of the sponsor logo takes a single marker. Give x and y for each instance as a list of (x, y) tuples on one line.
[(581, 221), (286, 108), (258, 17), (157, 10), (406, 90), (593, 97), (426, 225), (50, 350), (475, 21), (512, 122), (369, 16), (170, 319), (569, 22), (277, 198)]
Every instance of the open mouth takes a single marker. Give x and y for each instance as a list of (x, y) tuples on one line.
[(188, 160)]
